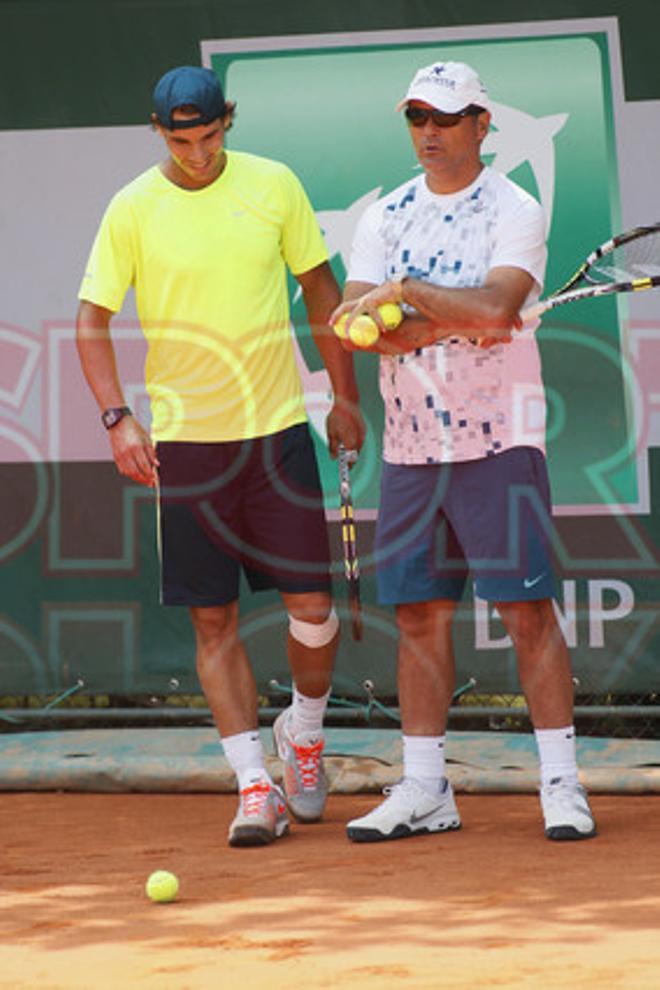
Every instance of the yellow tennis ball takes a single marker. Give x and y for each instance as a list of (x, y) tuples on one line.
[(391, 315), (162, 886), (363, 331), (340, 326)]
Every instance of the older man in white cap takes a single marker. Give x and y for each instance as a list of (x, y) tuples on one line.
[(464, 486)]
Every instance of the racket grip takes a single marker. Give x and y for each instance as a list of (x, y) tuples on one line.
[(532, 313), (350, 456)]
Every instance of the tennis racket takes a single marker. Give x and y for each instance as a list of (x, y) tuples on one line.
[(348, 539), (627, 263)]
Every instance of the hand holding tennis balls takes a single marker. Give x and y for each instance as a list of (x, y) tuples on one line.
[(363, 331), (162, 886)]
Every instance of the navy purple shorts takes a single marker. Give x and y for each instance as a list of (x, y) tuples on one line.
[(488, 518), (251, 506)]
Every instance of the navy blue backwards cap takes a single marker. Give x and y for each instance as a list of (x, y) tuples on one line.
[(188, 85)]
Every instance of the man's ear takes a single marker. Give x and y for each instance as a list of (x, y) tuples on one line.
[(483, 124), (228, 116)]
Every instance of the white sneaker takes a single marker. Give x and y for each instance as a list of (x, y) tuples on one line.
[(408, 809), (566, 811)]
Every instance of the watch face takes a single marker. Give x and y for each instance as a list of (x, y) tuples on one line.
[(111, 417)]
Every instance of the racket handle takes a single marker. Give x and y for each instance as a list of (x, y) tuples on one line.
[(532, 313), (345, 459), (350, 456)]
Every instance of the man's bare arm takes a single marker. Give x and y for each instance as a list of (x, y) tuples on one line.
[(488, 312), (132, 449), (321, 294)]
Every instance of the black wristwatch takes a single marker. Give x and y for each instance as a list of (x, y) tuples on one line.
[(111, 417)]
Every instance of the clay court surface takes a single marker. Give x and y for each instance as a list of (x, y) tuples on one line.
[(494, 905)]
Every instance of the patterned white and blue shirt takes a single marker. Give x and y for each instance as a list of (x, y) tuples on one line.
[(454, 401)]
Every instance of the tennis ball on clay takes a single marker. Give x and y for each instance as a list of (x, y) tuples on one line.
[(162, 886)]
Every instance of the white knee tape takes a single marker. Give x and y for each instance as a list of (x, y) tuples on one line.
[(313, 634)]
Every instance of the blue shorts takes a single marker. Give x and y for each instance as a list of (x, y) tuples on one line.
[(491, 518), (254, 506)]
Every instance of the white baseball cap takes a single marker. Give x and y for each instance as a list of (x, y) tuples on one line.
[(447, 86)]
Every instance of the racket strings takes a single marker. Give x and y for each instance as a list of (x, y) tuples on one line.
[(638, 258)]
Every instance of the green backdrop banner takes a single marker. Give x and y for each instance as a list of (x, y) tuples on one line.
[(78, 567)]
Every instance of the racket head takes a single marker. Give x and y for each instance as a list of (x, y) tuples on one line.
[(629, 262), (629, 257)]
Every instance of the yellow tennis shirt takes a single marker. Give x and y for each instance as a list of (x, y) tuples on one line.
[(208, 268)]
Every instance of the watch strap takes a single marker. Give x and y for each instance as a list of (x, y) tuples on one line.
[(110, 417)]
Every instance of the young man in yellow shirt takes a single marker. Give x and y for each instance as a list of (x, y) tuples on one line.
[(205, 239)]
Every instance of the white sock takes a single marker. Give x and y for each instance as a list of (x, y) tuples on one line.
[(557, 754), (424, 759), (307, 714), (245, 755)]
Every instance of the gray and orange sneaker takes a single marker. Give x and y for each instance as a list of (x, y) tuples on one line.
[(261, 816), (305, 782)]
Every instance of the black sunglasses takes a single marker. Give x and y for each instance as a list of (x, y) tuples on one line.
[(418, 116)]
